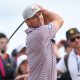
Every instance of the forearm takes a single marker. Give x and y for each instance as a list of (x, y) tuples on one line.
[(50, 16)]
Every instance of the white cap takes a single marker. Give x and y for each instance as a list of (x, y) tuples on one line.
[(20, 59), (30, 11), (20, 47)]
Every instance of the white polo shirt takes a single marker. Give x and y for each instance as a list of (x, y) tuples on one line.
[(73, 66)]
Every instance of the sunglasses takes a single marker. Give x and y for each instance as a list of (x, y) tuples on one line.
[(73, 39)]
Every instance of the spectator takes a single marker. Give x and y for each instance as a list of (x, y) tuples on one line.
[(67, 47), (14, 59), (22, 71), (21, 49), (2, 70), (73, 39), (5, 57)]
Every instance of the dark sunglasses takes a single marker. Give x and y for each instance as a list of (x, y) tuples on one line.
[(73, 39)]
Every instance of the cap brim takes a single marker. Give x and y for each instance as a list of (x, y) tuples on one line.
[(75, 36)]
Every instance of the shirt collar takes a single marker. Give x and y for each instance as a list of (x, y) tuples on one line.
[(29, 30)]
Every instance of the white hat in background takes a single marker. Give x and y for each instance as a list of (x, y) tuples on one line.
[(30, 11), (20, 59), (20, 47)]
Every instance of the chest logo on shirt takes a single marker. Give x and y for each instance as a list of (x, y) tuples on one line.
[(49, 27)]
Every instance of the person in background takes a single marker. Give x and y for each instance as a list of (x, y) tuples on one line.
[(67, 47), (73, 62), (67, 50), (2, 70), (3, 45), (21, 49), (42, 27), (14, 59), (3, 40), (8, 68), (22, 70)]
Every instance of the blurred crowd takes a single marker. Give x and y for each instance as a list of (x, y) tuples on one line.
[(14, 67)]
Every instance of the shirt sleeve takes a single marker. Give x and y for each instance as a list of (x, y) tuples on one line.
[(47, 31), (61, 66)]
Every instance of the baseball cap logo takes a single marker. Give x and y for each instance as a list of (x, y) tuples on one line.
[(71, 31), (34, 8)]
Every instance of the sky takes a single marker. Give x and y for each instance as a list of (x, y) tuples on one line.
[(11, 17)]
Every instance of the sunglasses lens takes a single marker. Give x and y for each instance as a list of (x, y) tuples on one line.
[(78, 37), (72, 40)]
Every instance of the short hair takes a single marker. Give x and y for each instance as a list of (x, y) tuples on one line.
[(14, 53), (2, 35)]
